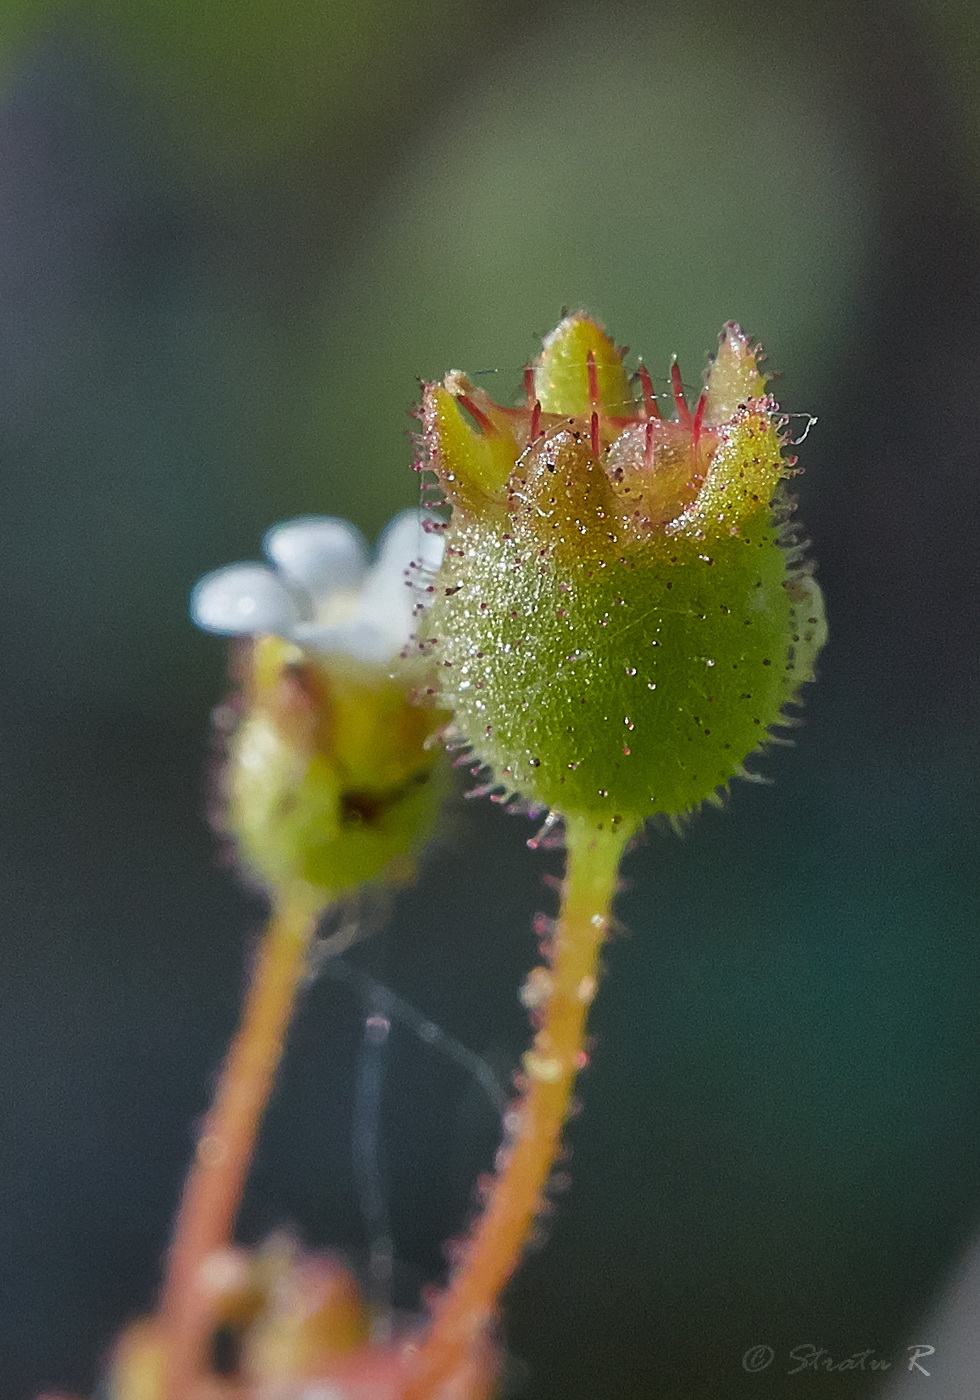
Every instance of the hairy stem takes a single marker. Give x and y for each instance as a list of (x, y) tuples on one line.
[(550, 1066), (226, 1143)]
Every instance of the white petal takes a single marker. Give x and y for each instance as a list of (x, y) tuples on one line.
[(432, 544), (243, 599), (405, 541), (394, 587), (355, 638), (318, 553)]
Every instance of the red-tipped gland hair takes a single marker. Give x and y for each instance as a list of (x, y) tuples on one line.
[(481, 419), (594, 401), (680, 402), (698, 420), (649, 397)]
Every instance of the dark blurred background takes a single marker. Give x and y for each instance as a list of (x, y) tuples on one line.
[(231, 236)]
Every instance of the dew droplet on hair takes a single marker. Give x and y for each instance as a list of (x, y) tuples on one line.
[(545, 1069), (537, 989)]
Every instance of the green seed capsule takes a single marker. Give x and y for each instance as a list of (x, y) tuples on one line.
[(620, 616)]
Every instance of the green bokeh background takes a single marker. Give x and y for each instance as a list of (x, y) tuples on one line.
[(231, 238)]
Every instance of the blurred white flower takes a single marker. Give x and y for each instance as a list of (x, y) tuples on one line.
[(319, 591)]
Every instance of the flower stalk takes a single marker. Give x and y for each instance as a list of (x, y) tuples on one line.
[(226, 1143), (561, 995)]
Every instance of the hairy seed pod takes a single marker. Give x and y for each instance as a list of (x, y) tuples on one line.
[(622, 613)]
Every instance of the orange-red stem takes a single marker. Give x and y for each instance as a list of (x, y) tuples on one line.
[(494, 1251), (226, 1144)]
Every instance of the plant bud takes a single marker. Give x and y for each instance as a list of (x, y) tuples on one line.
[(332, 777)]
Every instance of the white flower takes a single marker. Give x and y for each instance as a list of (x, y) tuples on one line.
[(318, 591)]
